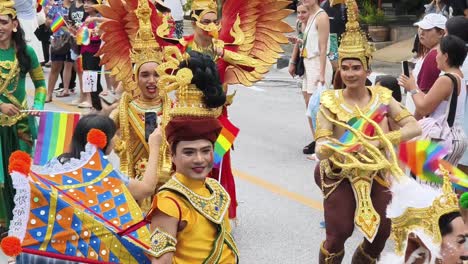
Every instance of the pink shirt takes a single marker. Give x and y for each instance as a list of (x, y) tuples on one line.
[(429, 72), (94, 44)]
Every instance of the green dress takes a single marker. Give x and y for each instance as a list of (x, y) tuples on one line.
[(16, 132)]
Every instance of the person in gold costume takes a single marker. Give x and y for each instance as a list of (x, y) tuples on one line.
[(189, 217), (353, 173), (132, 56), (17, 125), (244, 48)]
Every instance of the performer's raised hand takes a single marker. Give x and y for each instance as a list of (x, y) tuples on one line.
[(9, 109), (155, 139)]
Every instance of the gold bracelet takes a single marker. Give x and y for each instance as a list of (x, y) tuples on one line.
[(404, 113), (394, 137), (321, 132), (162, 243)]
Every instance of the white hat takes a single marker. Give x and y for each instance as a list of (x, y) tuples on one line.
[(432, 21)]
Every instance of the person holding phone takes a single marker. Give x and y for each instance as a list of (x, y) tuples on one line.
[(129, 117)]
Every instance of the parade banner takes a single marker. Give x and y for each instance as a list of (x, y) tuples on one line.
[(55, 134), (225, 140)]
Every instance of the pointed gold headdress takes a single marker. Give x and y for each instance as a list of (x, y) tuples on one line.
[(425, 219), (145, 48), (354, 43), (188, 101), (7, 7)]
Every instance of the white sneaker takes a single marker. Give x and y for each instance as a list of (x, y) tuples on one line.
[(84, 105)]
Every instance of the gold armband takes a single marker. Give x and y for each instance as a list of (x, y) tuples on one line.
[(404, 113), (394, 137), (324, 151), (162, 243), (320, 133)]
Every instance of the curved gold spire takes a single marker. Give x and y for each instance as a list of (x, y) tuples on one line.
[(354, 42), (145, 48)]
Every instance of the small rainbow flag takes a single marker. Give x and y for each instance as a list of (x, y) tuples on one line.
[(225, 139), (82, 36), (422, 157), (57, 23), (79, 64), (457, 177), (43, 3), (362, 125), (55, 134)]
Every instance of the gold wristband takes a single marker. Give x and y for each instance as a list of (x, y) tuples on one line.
[(394, 137), (320, 133), (162, 243), (404, 113)]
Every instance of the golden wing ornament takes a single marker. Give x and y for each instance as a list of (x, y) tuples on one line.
[(253, 28)]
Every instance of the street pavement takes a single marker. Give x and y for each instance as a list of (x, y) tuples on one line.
[(280, 207)]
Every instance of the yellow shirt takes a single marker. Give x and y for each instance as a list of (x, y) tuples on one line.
[(195, 241)]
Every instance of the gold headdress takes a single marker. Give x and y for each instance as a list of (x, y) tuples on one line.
[(7, 7), (425, 219), (204, 5), (354, 42), (145, 48), (130, 39), (188, 101)]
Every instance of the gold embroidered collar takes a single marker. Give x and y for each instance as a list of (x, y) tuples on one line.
[(334, 101), (213, 207)]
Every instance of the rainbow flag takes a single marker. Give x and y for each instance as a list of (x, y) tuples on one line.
[(57, 23), (360, 124), (225, 139), (83, 36), (55, 133), (43, 3)]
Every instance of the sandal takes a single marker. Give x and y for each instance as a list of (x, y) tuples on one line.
[(48, 100), (63, 94)]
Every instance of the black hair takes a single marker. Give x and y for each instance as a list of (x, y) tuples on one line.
[(391, 83), (79, 138), (457, 26), (206, 78), (455, 49), (24, 61), (445, 222)]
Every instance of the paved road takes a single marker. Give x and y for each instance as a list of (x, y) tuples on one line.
[(279, 203)]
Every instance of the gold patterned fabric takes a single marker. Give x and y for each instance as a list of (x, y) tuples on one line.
[(162, 243), (408, 218)]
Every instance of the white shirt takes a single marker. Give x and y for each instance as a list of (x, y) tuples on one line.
[(177, 11)]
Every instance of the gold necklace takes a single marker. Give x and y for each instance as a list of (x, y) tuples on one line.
[(5, 79)]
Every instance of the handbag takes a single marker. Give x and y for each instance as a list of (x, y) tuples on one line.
[(440, 129), (61, 44), (300, 69)]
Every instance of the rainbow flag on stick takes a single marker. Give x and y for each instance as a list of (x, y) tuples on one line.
[(57, 23), (225, 139), (55, 133)]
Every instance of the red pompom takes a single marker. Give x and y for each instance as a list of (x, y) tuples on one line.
[(11, 246), (20, 155), (97, 138), (19, 166)]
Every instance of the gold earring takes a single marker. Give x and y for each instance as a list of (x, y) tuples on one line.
[(14, 30)]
